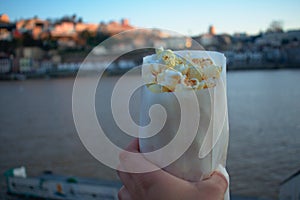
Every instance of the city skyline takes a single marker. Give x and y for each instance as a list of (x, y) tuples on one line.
[(191, 19)]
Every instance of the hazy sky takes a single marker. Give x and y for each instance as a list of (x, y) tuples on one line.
[(186, 17)]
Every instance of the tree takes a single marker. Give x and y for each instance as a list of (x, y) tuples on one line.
[(74, 16), (275, 27)]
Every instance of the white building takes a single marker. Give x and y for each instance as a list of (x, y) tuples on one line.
[(5, 65)]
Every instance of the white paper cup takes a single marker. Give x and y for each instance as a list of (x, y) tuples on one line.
[(208, 150)]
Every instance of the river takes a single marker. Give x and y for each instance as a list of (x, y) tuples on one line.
[(37, 129)]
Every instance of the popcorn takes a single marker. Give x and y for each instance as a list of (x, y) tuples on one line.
[(155, 88), (168, 72), (168, 57), (202, 61), (151, 71), (211, 71), (169, 78), (195, 72), (183, 69)]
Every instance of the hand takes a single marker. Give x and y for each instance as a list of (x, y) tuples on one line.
[(160, 184)]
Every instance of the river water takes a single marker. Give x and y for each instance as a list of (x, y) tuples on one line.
[(37, 129)]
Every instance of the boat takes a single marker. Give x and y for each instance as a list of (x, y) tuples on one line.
[(51, 186), (290, 187)]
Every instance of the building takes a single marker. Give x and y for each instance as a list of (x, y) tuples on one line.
[(25, 65), (64, 29), (277, 39), (35, 53), (35, 26), (5, 65), (114, 27), (80, 27), (212, 30), (4, 18), (6, 28)]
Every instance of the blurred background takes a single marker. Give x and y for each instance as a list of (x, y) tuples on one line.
[(43, 43)]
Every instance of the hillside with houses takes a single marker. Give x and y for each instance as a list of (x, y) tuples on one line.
[(45, 46)]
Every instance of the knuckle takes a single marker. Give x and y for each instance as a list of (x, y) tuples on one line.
[(219, 187), (222, 182), (218, 182)]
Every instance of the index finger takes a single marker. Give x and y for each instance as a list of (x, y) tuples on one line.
[(133, 146)]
